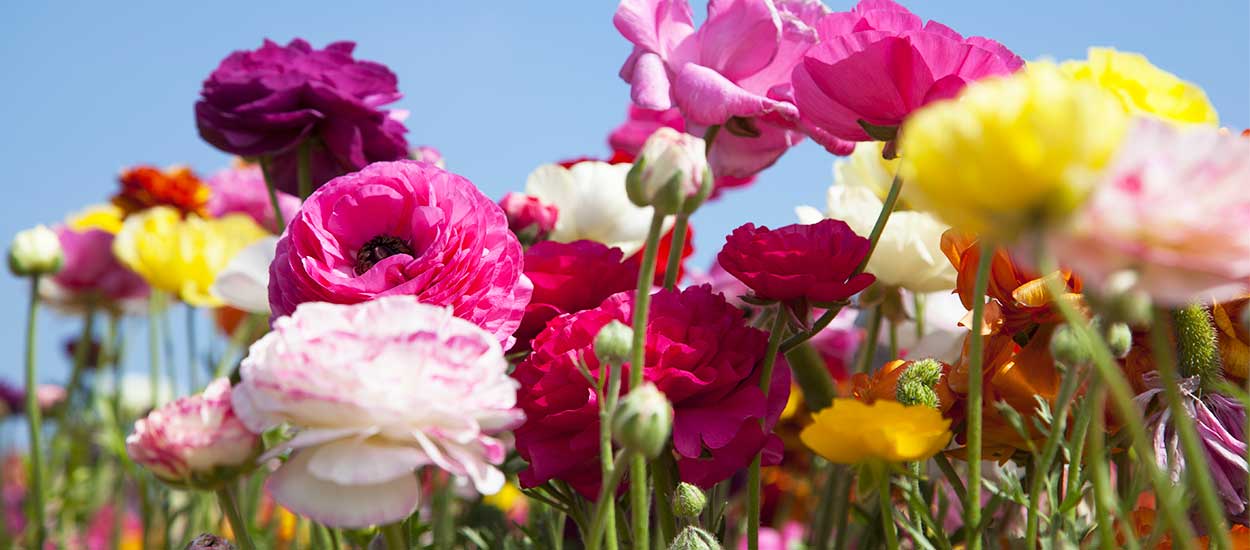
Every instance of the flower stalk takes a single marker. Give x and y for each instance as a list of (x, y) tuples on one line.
[(775, 336), (34, 421), (638, 497), (972, 504), (230, 508)]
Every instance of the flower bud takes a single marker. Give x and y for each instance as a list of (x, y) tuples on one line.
[(1120, 300), (688, 500), (644, 420), (1119, 339), (1067, 347), (671, 173), (209, 542), (35, 251), (915, 385), (694, 538), (613, 343), (530, 219)]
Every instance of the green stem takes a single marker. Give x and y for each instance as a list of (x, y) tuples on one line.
[(598, 524), (1104, 497), (638, 497), (393, 534), (775, 336), (273, 193), (85, 340), (893, 331), (238, 339), (675, 246), (812, 376), (230, 507), (607, 404), (753, 504), (444, 516), (972, 505), (887, 509), (304, 168), (868, 351), (842, 509), (918, 306), (662, 469), (1067, 389), (34, 420), (193, 367), (154, 345)]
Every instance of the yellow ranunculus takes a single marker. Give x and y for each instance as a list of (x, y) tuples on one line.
[(1013, 152), (183, 256), (106, 217), (1142, 87), (851, 432)]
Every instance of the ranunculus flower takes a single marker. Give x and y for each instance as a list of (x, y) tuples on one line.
[(35, 252), (879, 62), (196, 441), (375, 391), (529, 218), (1142, 87), (147, 186), (241, 189), (570, 277), (91, 275), (700, 353), (427, 153), (852, 432), (266, 102), (733, 71), (592, 204), (1174, 207), (627, 139), (244, 283), (398, 228), (797, 262)]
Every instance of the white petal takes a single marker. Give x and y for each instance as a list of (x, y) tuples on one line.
[(336, 505), (244, 283), (355, 461)]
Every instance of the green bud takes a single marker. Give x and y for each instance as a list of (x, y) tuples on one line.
[(1197, 348), (35, 251), (915, 385), (613, 343), (644, 421), (688, 500), (694, 538), (1067, 347), (1119, 339), (1120, 300), (670, 174)]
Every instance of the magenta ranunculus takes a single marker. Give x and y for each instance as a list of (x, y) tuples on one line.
[(242, 190), (797, 262), (91, 274), (627, 139), (529, 218), (733, 71), (266, 102), (879, 62), (397, 228), (571, 277), (700, 353)]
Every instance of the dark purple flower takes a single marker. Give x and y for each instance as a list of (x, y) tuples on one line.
[(266, 102)]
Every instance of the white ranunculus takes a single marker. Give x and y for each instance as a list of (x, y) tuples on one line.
[(244, 283), (593, 205)]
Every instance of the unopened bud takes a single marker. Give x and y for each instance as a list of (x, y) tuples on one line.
[(613, 343), (35, 251), (1120, 300), (694, 538), (915, 385), (671, 173), (209, 542), (1119, 339), (688, 500), (644, 421), (530, 219), (1068, 348)]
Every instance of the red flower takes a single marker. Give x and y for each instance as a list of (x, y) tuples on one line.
[(700, 353), (143, 187), (797, 262)]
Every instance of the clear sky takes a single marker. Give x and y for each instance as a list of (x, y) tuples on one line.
[(499, 86)]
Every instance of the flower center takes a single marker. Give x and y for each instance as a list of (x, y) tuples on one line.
[(377, 249)]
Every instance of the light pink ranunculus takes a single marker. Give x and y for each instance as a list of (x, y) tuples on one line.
[(1174, 207), (91, 273), (733, 71), (242, 190), (879, 62), (375, 391), (403, 228), (196, 441)]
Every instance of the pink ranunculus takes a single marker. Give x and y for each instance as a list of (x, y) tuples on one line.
[(1174, 207), (196, 441), (700, 353), (426, 153), (627, 139), (241, 189), (529, 218), (403, 228), (789, 537), (571, 277), (375, 391), (733, 71), (91, 274), (879, 62), (797, 262)]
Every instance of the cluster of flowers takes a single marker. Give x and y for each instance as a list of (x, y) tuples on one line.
[(1089, 216)]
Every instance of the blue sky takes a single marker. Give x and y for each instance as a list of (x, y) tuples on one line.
[(500, 87)]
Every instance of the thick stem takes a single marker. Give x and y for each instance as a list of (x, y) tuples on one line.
[(675, 245), (273, 193), (887, 509), (304, 169), (34, 421), (230, 507), (638, 497), (393, 535), (972, 505)]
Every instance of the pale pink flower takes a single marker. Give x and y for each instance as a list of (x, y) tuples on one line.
[(242, 189), (377, 390), (1174, 207), (195, 441), (669, 154)]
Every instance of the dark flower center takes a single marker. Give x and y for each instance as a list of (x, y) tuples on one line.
[(377, 249)]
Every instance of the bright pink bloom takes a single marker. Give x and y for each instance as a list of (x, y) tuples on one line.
[(788, 537), (242, 190), (529, 218), (734, 71), (570, 277), (1174, 207), (797, 262), (878, 63), (91, 272), (403, 228), (627, 139), (700, 353), (375, 391), (196, 439)]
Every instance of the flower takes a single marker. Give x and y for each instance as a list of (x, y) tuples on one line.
[(627, 139), (570, 277), (267, 102), (92, 276), (789, 537), (182, 256), (851, 432), (196, 441), (733, 71), (377, 390), (1143, 88), (106, 217), (529, 218), (1186, 242), (242, 189), (1234, 335), (426, 153), (399, 228), (35, 251), (1045, 133), (13, 398), (797, 262), (590, 197), (147, 186), (700, 353), (909, 253), (877, 63), (671, 172), (244, 283)]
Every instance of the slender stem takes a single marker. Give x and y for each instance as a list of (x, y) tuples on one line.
[(812, 376), (81, 353), (393, 534), (444, 516), (893, 332), (1196, 463), (842, 509), (972, 505), (598, 523), (823, 321), (662, 469), (675, 246), (1104, 497), (230, 507), (638, 497), (273, 192), (193, 364), (887, 508), (304, 168), (154, 345), (775, 335), (753, 504), (238, 339), (34, 420), (869, 350), (1059, 419), (887, 207), (606, 409), (918, 306)]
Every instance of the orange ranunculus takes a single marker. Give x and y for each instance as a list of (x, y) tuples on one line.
[(1234, 336), (147, 186), (883, 384)]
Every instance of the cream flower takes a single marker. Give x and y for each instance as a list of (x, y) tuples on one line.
[(593, 205), (244, 283)]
